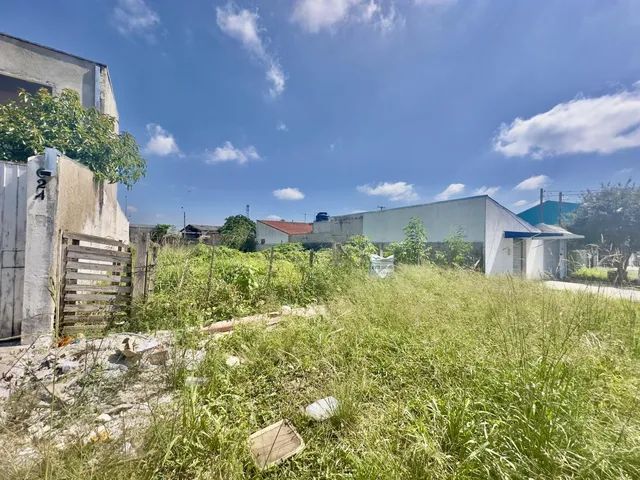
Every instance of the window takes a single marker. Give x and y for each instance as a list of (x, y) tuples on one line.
[(9, 87)]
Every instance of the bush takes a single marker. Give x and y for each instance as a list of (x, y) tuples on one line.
[(34, 122), (591, 274)]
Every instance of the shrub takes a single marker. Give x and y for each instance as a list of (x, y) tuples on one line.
[(33, 122)]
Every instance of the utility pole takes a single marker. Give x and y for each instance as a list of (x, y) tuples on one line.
[(559, 209), (247, 211), (541, 209), (381, 207)]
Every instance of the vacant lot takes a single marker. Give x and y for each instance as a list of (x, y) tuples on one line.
[(440, 374)]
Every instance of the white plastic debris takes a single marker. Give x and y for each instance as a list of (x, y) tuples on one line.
[(381, 267), (322, 409), (194, 381)]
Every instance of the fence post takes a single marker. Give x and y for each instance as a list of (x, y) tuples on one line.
[(311, 258), (210, 274), (140, 268), (270, 267)]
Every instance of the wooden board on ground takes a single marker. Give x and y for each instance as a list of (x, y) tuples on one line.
[(274, 444)]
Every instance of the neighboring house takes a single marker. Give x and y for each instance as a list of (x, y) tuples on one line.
[(506, 243), (27, 65), (275, 232), (50, 195), (209, 234), (551, 212)]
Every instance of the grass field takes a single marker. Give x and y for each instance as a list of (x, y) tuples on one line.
[(440, 374)]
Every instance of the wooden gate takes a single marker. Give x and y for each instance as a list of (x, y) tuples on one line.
[(13, 224), (96, 283)]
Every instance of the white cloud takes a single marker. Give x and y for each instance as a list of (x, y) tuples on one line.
[(434, 3), (229, 153), (533, 183), (135, 17), (132, 209), (273, 217), (242, 25), (398, 191), (288, 193), (282, 127), (491, 191), (450, 191), (602, 125), (161, 143), (316, 15), (525, 204)]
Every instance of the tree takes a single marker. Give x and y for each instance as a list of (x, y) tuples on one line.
[(35, 121), (458, 250), (413, 249), (160, 231), (239, 232), (611, 218), (357, 251)]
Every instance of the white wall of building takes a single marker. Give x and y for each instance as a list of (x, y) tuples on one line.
[(267, 236), (441, 219), (498, 251)]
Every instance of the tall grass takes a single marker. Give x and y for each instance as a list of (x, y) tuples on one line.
[(440, 374)]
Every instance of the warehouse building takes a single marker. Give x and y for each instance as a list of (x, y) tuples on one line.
[(506, 243)]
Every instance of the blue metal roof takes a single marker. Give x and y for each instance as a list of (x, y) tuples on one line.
[(551, 212)]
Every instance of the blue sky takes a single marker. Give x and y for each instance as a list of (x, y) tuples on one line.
[(299, 106)]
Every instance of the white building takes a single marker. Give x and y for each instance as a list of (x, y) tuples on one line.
[(275, 232), (506, 243)]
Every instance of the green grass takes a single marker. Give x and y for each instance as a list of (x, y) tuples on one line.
[(599, 274), (441, 374)]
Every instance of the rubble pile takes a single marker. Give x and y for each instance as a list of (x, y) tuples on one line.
[(86, 390)]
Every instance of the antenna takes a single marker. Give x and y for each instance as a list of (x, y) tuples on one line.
[(381, 207), (247, 211)]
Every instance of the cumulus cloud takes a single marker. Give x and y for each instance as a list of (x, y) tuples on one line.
[(316, 15), (491, 191), (602, 125), (242, 25), (161, 143), (273, 217), (228, 153), (282, 127), (451, 191), (434, 3), (288, 193), (135, 17), (533, 183), (132, 209), (398, 191)]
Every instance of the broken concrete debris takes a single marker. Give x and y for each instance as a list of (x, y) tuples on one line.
[(233, 361), (322, 409), (274, 444)]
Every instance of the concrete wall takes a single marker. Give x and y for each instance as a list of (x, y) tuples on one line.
[(441, 220), (271, 236), (35, 63), (73, 201)]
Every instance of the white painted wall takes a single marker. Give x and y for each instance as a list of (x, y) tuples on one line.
[(535, 259), (499, 250), (271, 236), (441, 219), (13, 223)]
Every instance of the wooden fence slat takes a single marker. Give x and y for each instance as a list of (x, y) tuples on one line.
[(93, 239), (102, 267), (83, 317), (88, 297), (92, 307), (107, 257), (99, 251), (96, 277), (97, 288)]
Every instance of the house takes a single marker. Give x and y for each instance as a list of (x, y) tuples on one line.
[(551, 212), (275, 232), (209, 234), (30, 66), (50, 195), (506, 243)]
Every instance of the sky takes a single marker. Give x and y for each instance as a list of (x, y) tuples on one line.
[(299, 106)]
